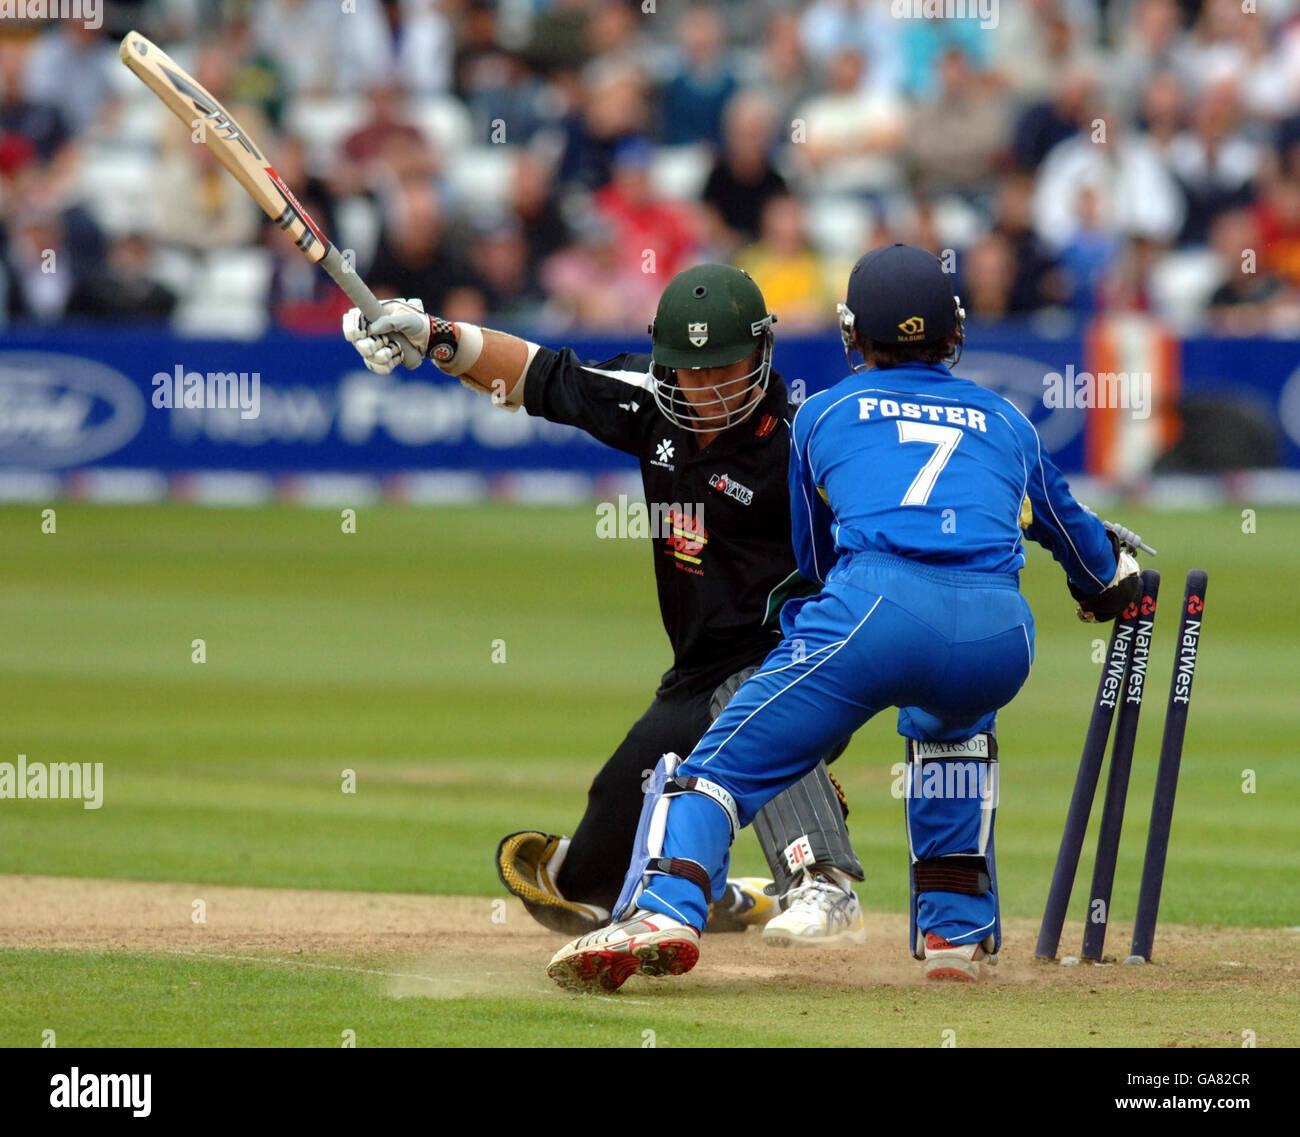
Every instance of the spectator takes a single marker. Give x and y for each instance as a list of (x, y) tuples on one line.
[(613, 108), (68, 70), (1037, 41), (1152, 40), (646, 229), (781, 72), (302, 298), (787, 269), (41, 271), (988, 277), (421, 44), (200, 206), (1036, 282), (42, 124), (386, 146), (743, 179), (414, 256), (853, 136), (1278, 215), (691, 103), (864, 26), (507, 101), (1245, 301), (1213, 161), (958, 139), (591, 286), (320, 51), (1043, 126), (536, 209), (500, 262), (126, 290), (1163, 111), (923, 43), (256, 77), (1089, 252), (312, 192), (1128, 190)]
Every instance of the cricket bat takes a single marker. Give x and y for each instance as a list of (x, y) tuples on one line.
[(195, 107)]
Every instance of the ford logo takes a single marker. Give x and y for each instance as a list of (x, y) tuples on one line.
[(63, 410)]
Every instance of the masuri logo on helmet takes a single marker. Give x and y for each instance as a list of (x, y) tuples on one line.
[(900, 294)]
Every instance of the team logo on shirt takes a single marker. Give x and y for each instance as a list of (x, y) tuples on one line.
[(699, 334), (723, 483)]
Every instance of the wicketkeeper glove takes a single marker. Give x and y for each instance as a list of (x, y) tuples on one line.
[(1123, 589)]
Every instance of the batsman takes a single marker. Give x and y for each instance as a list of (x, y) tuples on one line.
[(912, 490), (707, 419)]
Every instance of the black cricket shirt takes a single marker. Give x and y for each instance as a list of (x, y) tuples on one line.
[(719, 516)]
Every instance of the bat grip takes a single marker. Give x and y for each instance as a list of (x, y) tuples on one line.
[(360, 295)]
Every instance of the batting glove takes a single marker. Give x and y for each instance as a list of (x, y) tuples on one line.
[(373, 340)]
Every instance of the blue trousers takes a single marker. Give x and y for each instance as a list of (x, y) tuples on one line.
[(947, 647)]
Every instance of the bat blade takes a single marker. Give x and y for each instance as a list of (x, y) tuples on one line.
[(201, 111)]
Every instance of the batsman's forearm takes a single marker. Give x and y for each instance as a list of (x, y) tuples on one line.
[(501, 365)]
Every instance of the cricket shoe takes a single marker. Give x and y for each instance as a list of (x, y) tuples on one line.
[(818, 913), (647, 943), (749, 901), (962, 962), (528, 864)]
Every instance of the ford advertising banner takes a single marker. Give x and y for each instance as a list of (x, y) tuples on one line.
[(287, 405)]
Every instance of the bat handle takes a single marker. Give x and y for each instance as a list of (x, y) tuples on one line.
[(360, 295)]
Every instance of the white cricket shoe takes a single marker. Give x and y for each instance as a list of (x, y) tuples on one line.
[(819, 913), (955, 961), (647, 942)]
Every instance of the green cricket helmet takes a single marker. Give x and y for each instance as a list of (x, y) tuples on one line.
[(710, 316)]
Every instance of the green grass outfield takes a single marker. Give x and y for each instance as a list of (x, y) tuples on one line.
[(373, 652)]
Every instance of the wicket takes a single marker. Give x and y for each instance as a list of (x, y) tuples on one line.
[(1123, 675)]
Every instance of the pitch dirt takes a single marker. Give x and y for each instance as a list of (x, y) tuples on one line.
[(411, 939)]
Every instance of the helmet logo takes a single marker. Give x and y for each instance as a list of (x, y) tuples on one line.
[(912, 326), (698, 333)]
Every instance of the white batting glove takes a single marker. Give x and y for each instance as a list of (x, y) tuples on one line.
[(373, 340)]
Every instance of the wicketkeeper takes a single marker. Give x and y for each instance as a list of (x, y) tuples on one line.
[(706, 417), (909, 490)]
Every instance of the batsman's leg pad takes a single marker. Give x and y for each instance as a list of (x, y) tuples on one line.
[(650, 858), (950, 801), (803, 828)]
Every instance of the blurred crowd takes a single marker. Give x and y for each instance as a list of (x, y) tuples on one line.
[(549, 164)]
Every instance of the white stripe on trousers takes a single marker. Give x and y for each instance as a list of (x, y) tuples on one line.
[(800, 679)]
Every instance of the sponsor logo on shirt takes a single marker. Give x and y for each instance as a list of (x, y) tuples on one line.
[(686, 545), (664, 454), (723, 483)]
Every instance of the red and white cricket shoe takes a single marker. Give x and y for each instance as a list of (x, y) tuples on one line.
[(955, 961), (646, 943)]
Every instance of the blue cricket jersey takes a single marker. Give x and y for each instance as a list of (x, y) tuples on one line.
[(918, 463)]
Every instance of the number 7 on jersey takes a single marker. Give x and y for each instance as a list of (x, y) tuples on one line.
[(944, 439)]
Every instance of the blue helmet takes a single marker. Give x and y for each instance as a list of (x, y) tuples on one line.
[(899, 294)]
